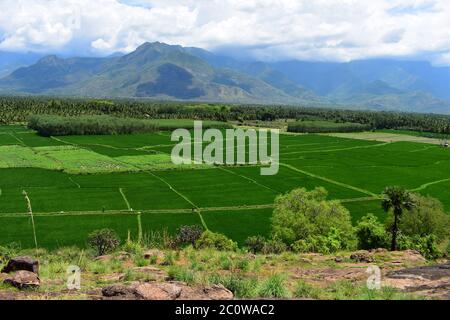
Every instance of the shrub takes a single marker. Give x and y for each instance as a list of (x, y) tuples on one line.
[(273, 287), (216, 241), (426, 245), (9, 251), (371, 233), (305, 290), (242, 287), (255, 244), (426, 218), (301, 216), (103, 241), (274, 246), (188, 235)]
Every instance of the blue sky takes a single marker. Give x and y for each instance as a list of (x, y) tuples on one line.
[(332, 30)]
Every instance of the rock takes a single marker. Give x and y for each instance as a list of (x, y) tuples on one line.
[(379, 250), (23, 280), (158, 291), (166, 291), (218, 292), (22, 263), (430, 281), (338, 259), (158, 254), (119, 291), (362, 256)]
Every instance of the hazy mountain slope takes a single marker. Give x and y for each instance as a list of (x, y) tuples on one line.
[(10, 61), (161, 71)]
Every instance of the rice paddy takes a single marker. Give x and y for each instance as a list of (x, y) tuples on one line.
[(77, 184)]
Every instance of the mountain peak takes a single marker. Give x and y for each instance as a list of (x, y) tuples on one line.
[(50, 60)]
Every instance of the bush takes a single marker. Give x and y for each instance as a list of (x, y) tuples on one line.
[(273, 287), (9, 251), (103, 241), (216, 241), (242, 287), (332, 242), (426, 218), (188, 235), (255, 244), (426, 245), (301, 217), (305, 290), (371, 233), (274, 246)]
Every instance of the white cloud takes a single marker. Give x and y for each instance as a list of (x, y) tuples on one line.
[(268, 29)]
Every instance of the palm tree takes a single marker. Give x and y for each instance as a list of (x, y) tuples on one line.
[(396, 199)]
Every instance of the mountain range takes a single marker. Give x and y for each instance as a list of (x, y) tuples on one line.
[(161, 71)]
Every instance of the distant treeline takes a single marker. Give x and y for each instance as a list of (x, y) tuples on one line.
[(326, 127), (19, 109), (51, 125), (87, 125)]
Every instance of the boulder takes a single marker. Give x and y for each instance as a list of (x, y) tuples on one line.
[(119, 291), (362, 256), (166, 291), (22, 263), (159, 291), (218, 292), (338, 259), (23, 280)]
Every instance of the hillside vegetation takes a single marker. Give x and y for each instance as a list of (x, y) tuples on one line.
[(326, 127)]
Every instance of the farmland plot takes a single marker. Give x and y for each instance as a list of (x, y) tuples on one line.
[(81, 183)]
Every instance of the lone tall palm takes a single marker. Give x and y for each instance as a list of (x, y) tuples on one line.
[(396, 199)]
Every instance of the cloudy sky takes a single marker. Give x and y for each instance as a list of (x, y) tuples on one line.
[(337, 30)]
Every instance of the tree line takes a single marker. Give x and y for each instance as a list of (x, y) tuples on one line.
[(19, 109)]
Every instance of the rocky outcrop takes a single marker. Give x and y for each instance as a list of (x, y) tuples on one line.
[(23, 280), (433, 281), (362, 256), (166, 291), (22, 263)]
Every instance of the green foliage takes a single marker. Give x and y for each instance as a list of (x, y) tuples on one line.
[(306, 291), (242, 287), (255, 244), (326, 244), (397, 200), (188, 235), (179, 273), (273, 287), (215, 240), (274, 246), (301, 217), (371, 233), (8, 251), (103, 241), (326, 127), (427, 245), (427, 217)]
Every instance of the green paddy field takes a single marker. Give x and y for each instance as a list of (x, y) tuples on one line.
[(77, 184)]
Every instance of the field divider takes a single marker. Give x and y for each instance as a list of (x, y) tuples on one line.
[(30, 211), (18, 139), (342, 149), (426, 185), (249, 179), (75, 183), (341, 184), (125, 199), (125, 212)]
